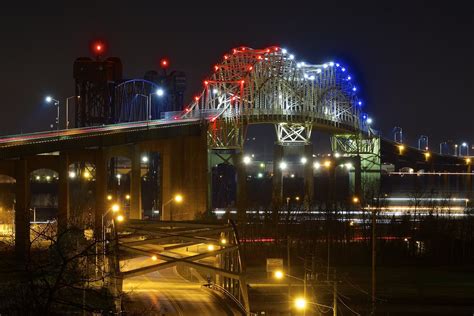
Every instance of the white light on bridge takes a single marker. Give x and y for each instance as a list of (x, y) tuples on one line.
[(247, 160), (292, 56), (283, 165), (304, 160), (215, 91), (331, 63), (260, 175), (160, 92), (349, 166), (369, 121), (284, 51)]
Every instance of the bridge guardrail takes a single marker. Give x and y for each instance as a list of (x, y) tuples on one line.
[(218, 288)]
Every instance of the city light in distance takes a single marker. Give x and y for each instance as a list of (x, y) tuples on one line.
[(327, 163), (247, 160), (127, 197), (349, 165), (86, 174), (48, 99), (223, 241), (160, 92), (115, 208), (210, 247), (260, 175), (109, 197), (369, 121), (145, 159), (120, 218), (303, 160), (283, 165), (316, 165), (279, 274), (72, 174)]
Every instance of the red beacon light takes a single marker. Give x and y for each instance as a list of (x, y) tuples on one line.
[(216, 68), (196, 98), (242, 81), (206, 82), (164, 63), (98, 48)]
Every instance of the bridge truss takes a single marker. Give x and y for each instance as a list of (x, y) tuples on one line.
[(251, 86), (211, 250)]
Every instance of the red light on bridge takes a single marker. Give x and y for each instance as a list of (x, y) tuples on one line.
[(213, 119), (196, 98), (216, 68), (98, 48), (206, 82), (250, 68), (242, 81), (164, 63), (225, 56), (187, 110), (259, 57)]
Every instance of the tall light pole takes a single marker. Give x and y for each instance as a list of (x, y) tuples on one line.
[(55, 102), (114, 208), (159, 92), (464, 145), (67, 108), (178, 198)]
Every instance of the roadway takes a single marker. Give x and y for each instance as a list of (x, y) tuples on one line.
[(166, 292)]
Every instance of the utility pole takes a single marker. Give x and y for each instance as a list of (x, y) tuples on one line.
[(374, 221), (289, 273)]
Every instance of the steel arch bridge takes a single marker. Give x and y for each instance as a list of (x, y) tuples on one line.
[(134, 101), (252, 86)]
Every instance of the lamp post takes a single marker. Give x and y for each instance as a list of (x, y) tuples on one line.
[(159, 92), (114, 208), (178, 198), (280, 275), (67, 108), (55, 102)]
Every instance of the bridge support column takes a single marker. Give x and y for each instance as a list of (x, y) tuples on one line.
[(277, 182), (63, 194), (100, 191), (308, 176), (136, 185), (184, 172), (22, 211), (241, 185), (358, 178)]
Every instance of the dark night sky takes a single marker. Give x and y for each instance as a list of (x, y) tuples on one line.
[(413, 62)]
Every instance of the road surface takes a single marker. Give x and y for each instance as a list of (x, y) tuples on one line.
[(165, 292)]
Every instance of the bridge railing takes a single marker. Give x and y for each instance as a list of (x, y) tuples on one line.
[(227, 294)]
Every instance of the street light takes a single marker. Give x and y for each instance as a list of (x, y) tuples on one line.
[(283, 165), (210, 247), (55, 102), (178, 198), (401, 148), (145, 159), (355, 200), (114, 208), (247, 160), (300, 303), (67, 108), (279, 275), (303, 160)]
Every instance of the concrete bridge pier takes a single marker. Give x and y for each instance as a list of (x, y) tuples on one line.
[(308, 175), (63, 192), (100, 190), (241, 195), (277, 181), (136, 184), (22, 210)]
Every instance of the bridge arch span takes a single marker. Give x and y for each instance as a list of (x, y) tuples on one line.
[(253, 86)]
